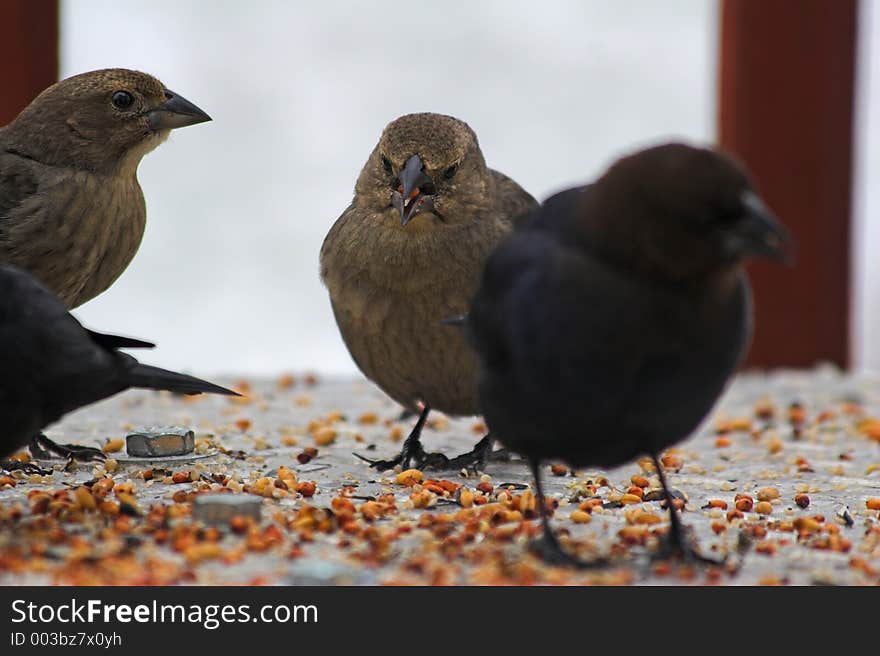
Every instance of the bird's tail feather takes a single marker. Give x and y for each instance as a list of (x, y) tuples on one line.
[(148, 377)]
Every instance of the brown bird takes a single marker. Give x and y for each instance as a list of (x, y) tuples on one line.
[(408, 252), (609, 324), (71, 210)]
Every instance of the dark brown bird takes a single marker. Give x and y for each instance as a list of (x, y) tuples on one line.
[(50, 365), (406, 253), (609, 324), (71, 209)]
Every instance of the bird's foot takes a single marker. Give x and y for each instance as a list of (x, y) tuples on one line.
[(26, 467), (412, 451), (675, 545), (44, 448), (548, 549), (412, 454), (380, 465), (474, 460)]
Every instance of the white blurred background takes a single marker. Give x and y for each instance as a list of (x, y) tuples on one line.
[(226, 279)]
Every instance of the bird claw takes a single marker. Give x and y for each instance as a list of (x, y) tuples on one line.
[(44, 448), (380, 465), (26, 467), (474, 460)]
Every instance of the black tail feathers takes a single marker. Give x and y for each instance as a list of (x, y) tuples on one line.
[(148, 377)]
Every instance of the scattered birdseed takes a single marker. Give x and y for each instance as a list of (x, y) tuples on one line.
[(145, 524)]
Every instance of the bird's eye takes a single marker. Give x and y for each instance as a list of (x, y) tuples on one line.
[(122, 99), (386, 164), (450, 172)]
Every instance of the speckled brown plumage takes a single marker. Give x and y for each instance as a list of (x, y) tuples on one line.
[(391, 285), (71, 209)]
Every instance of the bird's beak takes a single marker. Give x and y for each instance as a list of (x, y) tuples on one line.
[(175, 112), (409, 198), (759, 233)]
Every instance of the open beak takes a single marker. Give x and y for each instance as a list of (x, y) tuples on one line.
[(175, 112), (760, 234), (410, 198)]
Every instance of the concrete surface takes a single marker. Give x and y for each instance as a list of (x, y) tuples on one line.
[(832, 458)]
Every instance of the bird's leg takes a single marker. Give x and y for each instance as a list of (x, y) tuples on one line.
[(44, 448), (26, 467), (675, 542), (547, 547), (412, 450)]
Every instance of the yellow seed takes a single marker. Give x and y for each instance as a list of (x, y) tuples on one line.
[(84, 498), (767, 494), (287, 475), (763, 508), (629, 499), (113, 446), (423, 499), (581, 517), (409, 477), (325, 436), (807, 525), (527, 501), (466, 498), (646, 518), (199, 552)]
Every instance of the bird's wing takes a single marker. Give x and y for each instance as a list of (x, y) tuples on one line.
[(113, 342), (18, 181), (335, 246), (43, 347), (551, 321), (513, 201)]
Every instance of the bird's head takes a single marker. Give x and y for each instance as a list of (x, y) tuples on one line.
[(428, 166), (684, 211), (101, 119)]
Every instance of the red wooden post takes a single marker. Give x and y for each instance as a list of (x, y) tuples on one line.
[(786, 109), (28, 52)]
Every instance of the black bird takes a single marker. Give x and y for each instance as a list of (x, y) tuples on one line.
[(50, 365), (608, 324)]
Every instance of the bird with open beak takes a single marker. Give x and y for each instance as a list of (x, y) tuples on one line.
[(406, 254), (71, 210), (609, 325)]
